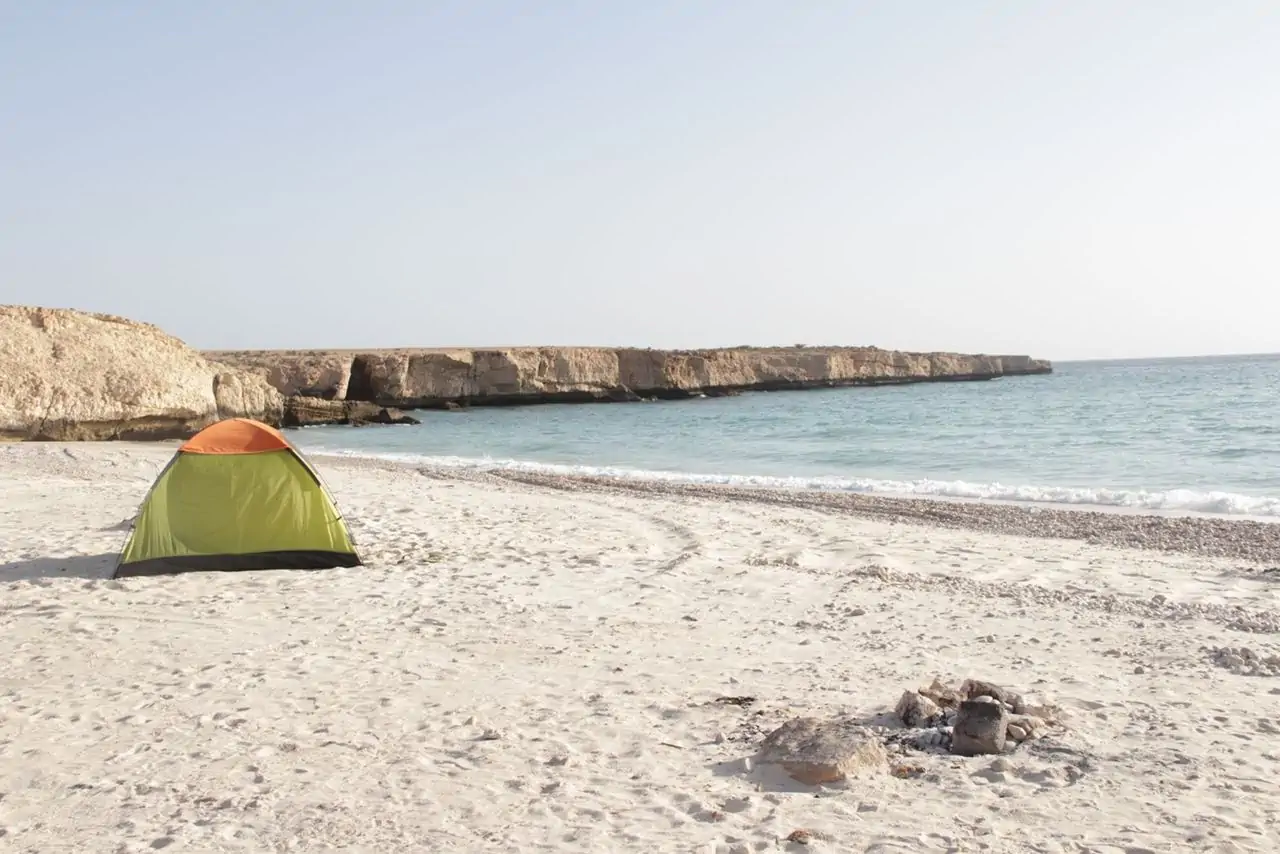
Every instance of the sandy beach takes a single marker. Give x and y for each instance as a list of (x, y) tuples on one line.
[(541, 664)]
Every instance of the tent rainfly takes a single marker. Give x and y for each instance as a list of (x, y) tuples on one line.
[(236, 496)]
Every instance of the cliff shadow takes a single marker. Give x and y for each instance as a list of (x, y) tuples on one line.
[(360, 383), (97, 567)]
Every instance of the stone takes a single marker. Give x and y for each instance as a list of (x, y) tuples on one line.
[(800, 836), (813, 751), (972, 689), (1022, 728), (980, 729), (70, 375), (946, 697), (622, 394), (935, 737), (914, 709), (1043, 714), (388, 416), (316, 411), (1243, 661)]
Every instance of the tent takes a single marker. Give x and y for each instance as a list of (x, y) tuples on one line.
[(236, 496)]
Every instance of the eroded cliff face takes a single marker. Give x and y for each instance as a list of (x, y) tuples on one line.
[(70, 375), (430, 378), (301, 373)]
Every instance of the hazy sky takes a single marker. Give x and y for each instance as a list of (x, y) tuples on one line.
[(1069, 179)]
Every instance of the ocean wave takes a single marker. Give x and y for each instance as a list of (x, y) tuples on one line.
[(1171, 501)]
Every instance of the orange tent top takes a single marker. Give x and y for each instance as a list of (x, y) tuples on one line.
[(236, 436)]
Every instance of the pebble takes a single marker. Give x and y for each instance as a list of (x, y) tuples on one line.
[(1239, 539), (931, 738), (938, 731), (1243, 661)]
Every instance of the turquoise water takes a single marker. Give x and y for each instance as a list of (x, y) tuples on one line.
[(1193, 435)]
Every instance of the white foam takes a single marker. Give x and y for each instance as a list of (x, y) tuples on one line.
[(1171, 501)]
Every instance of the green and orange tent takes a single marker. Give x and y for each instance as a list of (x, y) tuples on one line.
[(237, 496)]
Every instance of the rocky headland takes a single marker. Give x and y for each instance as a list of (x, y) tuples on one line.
[(75, 376), (71, 375), (444, 379)]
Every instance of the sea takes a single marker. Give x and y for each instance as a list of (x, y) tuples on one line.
[(1195, 436)]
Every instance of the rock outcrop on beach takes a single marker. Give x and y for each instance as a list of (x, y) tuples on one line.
[(435, 378), (71, 375), (814, 751)]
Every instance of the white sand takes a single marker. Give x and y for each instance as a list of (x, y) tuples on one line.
[(344, 709)]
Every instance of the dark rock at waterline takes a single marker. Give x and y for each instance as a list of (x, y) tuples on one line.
[(316, 411), (387, 416), (622, 394)]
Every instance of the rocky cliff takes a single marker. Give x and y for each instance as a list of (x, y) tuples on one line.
[(436, 378), (70, 375), (67, 375)]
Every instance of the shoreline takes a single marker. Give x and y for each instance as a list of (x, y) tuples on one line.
[(1253, 540)]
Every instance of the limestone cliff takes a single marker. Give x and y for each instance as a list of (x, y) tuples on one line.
[(71, 375), (241, 394), (433, 378), (295, 373)]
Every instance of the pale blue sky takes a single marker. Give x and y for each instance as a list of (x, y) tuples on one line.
[(1070, 179)]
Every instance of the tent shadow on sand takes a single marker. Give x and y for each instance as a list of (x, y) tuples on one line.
[(72, 566)]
